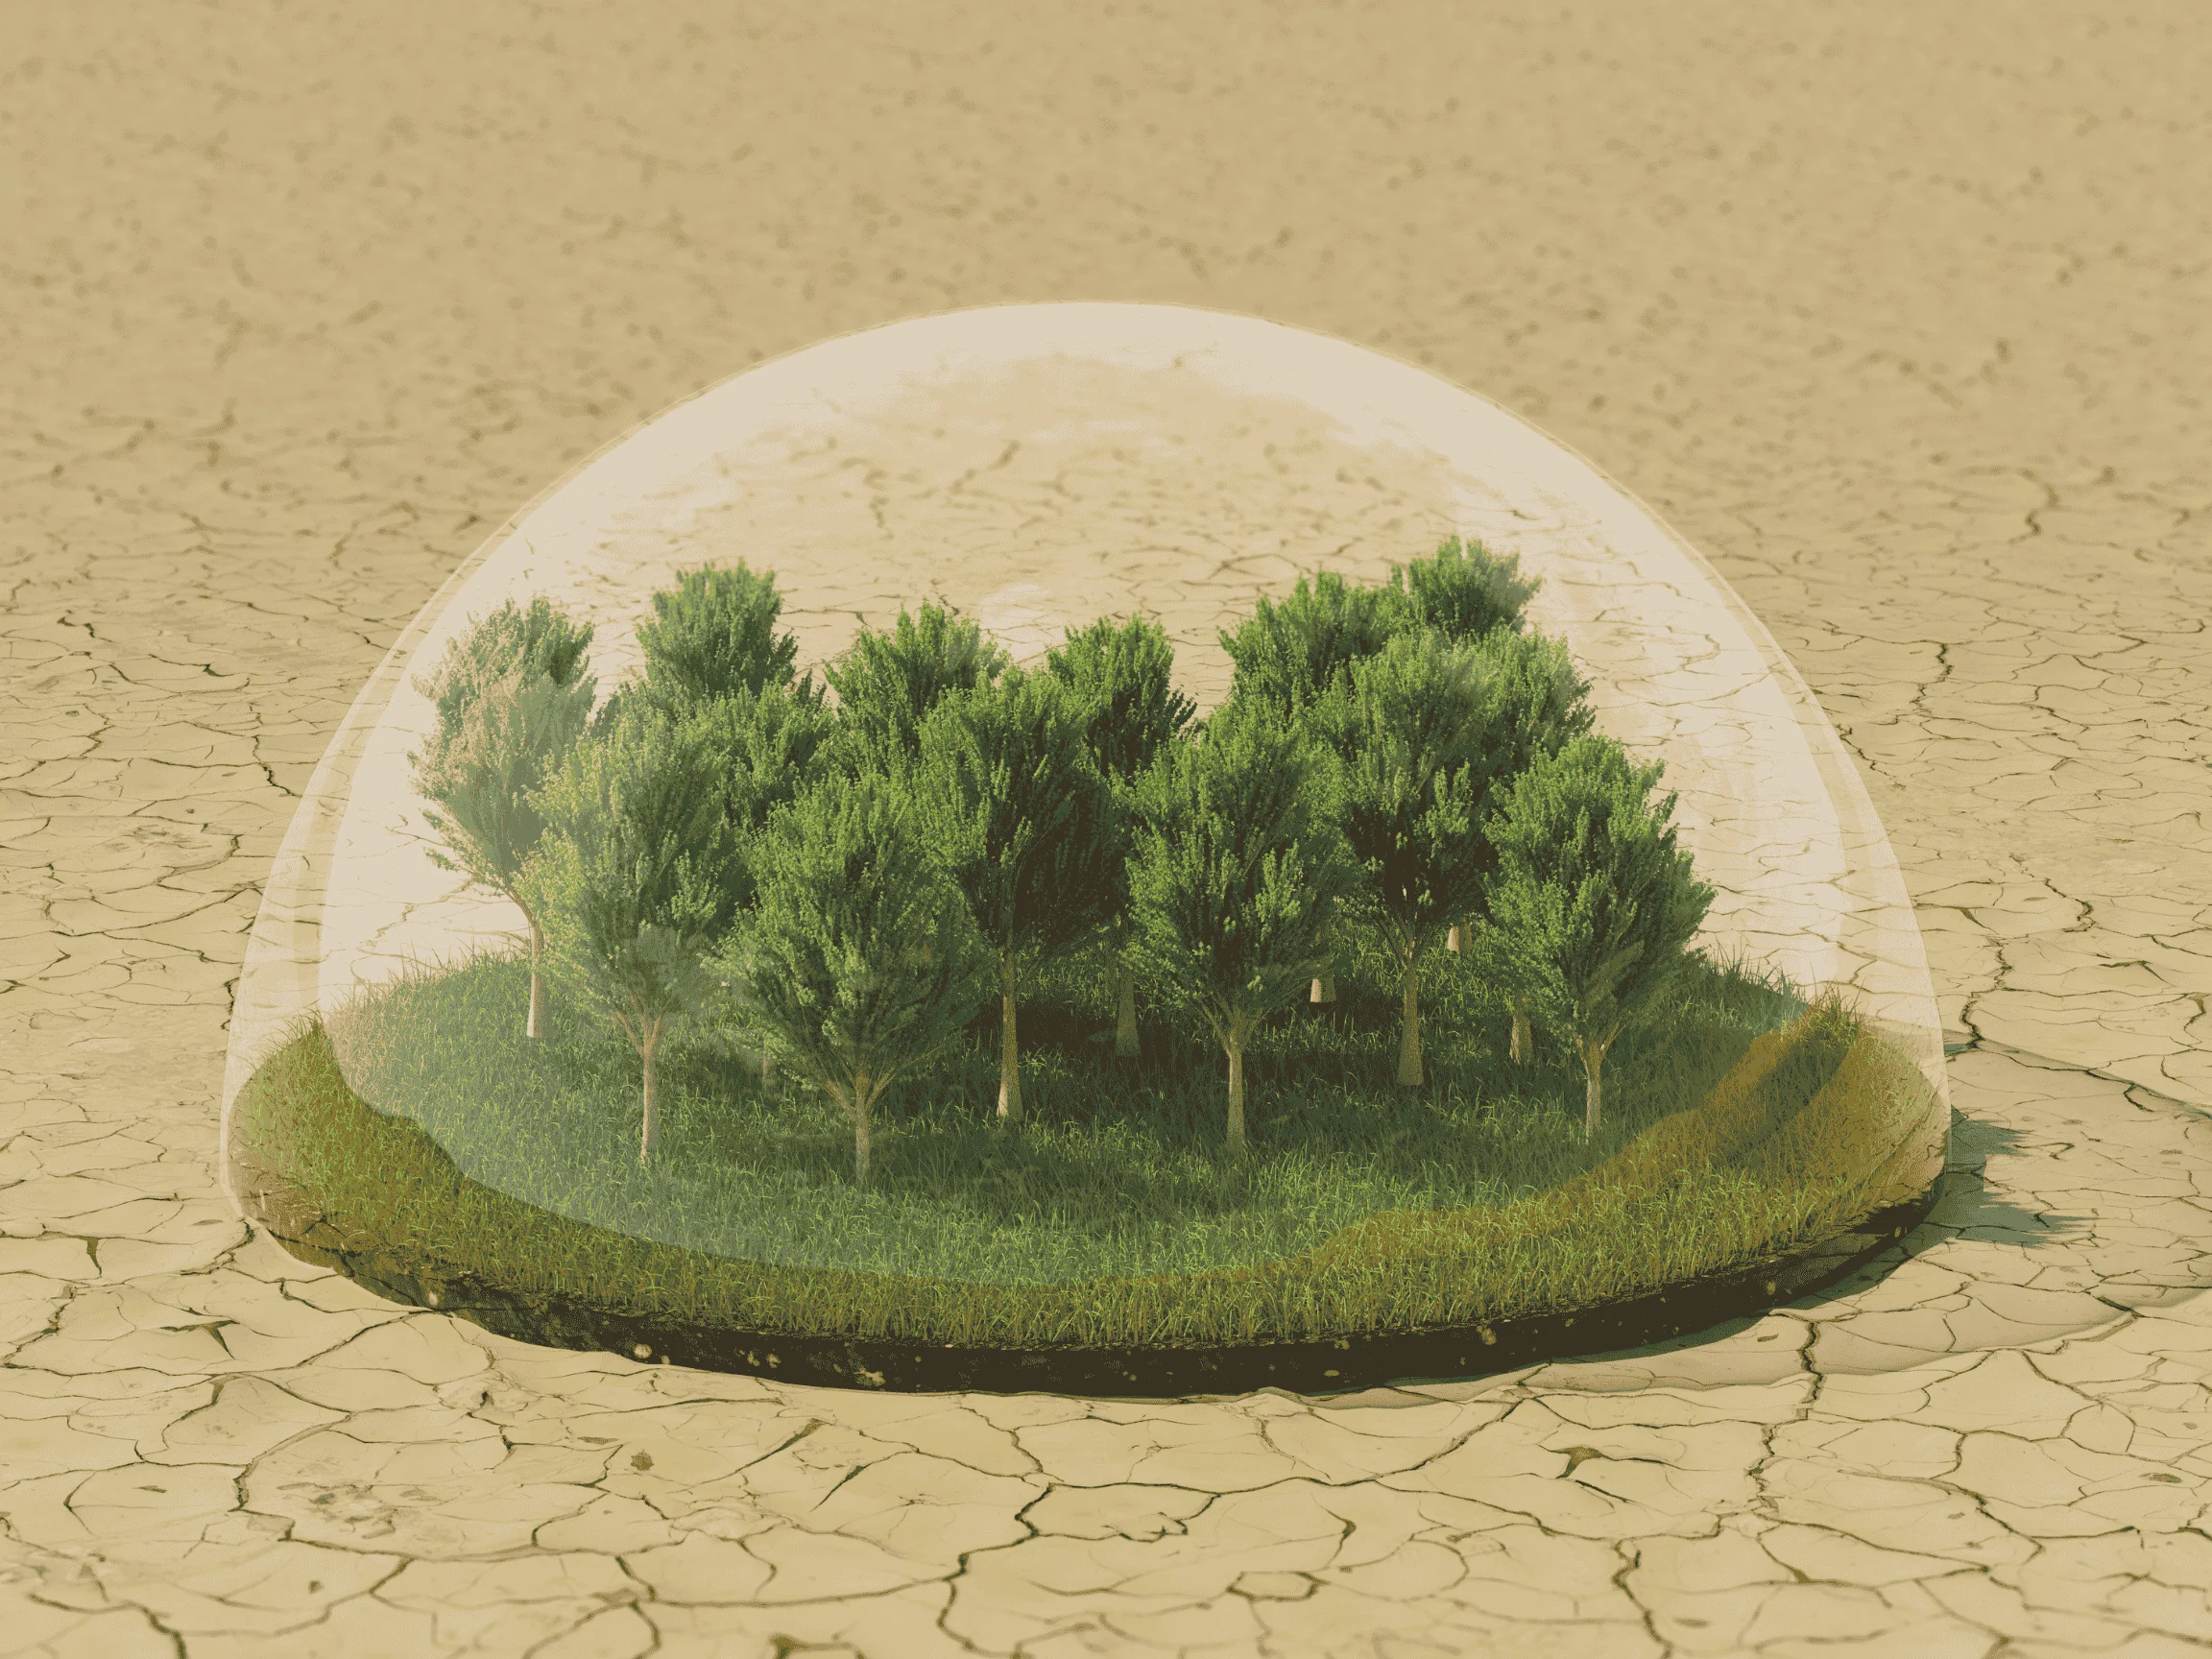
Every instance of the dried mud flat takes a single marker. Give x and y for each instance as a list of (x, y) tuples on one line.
[(1896, 320)]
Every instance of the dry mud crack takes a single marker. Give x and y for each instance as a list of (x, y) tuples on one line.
[(1897, 315), (1997, 1438)]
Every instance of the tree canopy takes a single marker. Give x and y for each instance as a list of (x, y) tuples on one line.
[(889, 679), (861, 957), (1286, 654), (1595, 904), (1024, 819), (1463, 591), (632, 880), (1238, 864)]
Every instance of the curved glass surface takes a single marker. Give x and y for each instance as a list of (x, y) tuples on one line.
[(1042, 465)]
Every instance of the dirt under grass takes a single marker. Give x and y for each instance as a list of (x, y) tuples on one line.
[(1743, 1123)]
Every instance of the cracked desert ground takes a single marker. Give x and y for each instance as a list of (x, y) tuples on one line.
[(1896, 312)]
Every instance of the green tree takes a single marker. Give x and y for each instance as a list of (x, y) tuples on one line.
[(831, 960), (1463, 591), (1123, 677), (633, 882), (762, 746), (1023, 821), (510, 703), (1287, 655), (1411, 728), (1239, 865), (1595, 905), (887, 681), (1537, 708)]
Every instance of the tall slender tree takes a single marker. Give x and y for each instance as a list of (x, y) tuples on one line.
[(1413, 729), (1596, 906), (632, 880), (1288, 653), (510, 701), (1537, 707), (831, 961), (1239, 863), (762, 746), (1123, 677), (1025, 822)]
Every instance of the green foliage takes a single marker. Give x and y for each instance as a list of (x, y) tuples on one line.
[(631, 880), (1122, 676), (887, 681), (1411, 726), (714, 635), (483, 769), (1015, 807), (861, 958), (539, 637), (1595, 904), (1463, 591), (1238, 866), (1288, 654), (761, 747)]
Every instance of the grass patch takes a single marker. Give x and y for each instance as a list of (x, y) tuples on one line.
[(1740, 1122)]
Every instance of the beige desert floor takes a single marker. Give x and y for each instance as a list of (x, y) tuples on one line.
[(1895, 311)]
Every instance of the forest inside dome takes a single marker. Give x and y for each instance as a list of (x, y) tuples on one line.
[(1407, 761), (1095, 991)]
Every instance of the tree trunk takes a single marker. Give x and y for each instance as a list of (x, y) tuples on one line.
[(1409, 1039), (650, 1136), (1125, 1025), (862, 1102), (1453, 939), (1522, 1041), (1593, 1061), (536, 1025), (1236, 1048), (1009, 1052)]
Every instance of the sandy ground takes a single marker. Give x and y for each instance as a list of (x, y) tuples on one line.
[(1894, 311)]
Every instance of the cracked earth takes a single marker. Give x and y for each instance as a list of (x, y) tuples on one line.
[(1895, 315)]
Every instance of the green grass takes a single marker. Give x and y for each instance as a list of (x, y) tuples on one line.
[(1738, 1123)]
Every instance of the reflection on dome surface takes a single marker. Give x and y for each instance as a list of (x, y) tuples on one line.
[(1032, 469)]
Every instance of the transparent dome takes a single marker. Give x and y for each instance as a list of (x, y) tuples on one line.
[(1037, 467)]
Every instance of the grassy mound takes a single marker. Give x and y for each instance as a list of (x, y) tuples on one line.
[(1110, 1220)]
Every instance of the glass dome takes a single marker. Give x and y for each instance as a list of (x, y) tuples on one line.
[(1037, 467)]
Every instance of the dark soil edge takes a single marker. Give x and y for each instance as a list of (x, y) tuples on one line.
[(1356, 1362)]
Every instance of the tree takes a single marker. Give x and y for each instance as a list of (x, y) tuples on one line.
[(1537, 708), (830, 960), (1023, 821), (1411, 726), (1463, 591), (633, 880), (888, 682), (1287, 655), (762, 747), (1595, 905), (1238, 864), (510, 703), (1122, 676)]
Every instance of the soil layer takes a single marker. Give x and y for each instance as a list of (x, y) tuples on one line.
[(1343, 1363)]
